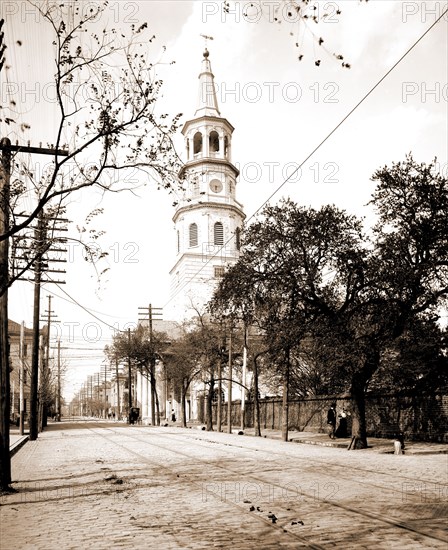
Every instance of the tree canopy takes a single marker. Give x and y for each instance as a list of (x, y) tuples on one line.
[(326, 293)]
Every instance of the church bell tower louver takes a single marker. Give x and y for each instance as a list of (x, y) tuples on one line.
[(208, 218)]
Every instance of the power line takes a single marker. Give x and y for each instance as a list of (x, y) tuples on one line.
[(88, 311), (358, 104)]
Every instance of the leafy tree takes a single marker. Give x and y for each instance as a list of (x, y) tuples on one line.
[(205, 337), (143, 348), (408, 268), (182, 366), (314, 275), (280, 278), (415, 362)]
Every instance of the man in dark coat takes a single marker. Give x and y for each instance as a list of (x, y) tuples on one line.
[(331, 420)]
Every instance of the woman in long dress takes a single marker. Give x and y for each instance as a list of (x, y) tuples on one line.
[(342, 426)]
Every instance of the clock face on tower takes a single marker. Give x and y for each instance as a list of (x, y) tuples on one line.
[(216, 186)]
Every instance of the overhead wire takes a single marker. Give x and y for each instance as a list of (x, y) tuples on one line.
[(308, 157)]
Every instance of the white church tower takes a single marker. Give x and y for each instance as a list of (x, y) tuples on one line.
[(208, 218)]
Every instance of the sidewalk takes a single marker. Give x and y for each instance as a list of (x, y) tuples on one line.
[(375, 444)]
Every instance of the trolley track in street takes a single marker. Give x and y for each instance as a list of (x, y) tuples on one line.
[(305, 497)]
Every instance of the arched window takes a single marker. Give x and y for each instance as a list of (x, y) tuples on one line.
[(218, 234), (213, 142), (238, 238), (197, 143), (193, 235)]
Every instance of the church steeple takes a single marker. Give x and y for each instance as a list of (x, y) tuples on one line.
[(207, 101), (208, 218)]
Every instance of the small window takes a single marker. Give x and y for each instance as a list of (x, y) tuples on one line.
[(193, 235), (214, 142), (178, 242), (218, 234), (219, 271), (197, 143)]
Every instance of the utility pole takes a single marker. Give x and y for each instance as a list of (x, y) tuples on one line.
[(58, 409), (152, 311), (229, 401), (34, 379), (5, 405), (118, 388), (105, 392), (49, 312), (21, 377), (45, 378), (41, 247), (129, 378)]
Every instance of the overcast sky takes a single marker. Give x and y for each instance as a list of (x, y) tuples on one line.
[(281, 108)]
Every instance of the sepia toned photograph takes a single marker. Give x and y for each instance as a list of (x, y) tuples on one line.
[(223, 274)]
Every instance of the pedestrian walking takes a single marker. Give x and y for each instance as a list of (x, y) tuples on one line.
[(331, 420), (341, 430)]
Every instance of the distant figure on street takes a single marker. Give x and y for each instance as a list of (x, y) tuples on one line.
[(342, 426), (331, 420), (173, 416)]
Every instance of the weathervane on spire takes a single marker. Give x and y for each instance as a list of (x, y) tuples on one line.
[(205, 37)]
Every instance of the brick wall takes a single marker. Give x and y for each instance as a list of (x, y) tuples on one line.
[(423, 418)]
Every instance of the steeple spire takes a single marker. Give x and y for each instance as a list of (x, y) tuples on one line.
[(207, 102)]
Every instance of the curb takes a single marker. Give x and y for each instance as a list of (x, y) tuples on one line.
[(17, 445), (320, 443)]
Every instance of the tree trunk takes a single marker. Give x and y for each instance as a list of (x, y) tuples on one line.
[(153, 394), (183, 408), (209, 410), (357, 393), (257, 425), (219, 402), (359, 432), (157, 405)]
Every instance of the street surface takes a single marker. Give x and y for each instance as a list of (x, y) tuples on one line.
[(104, 485)]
